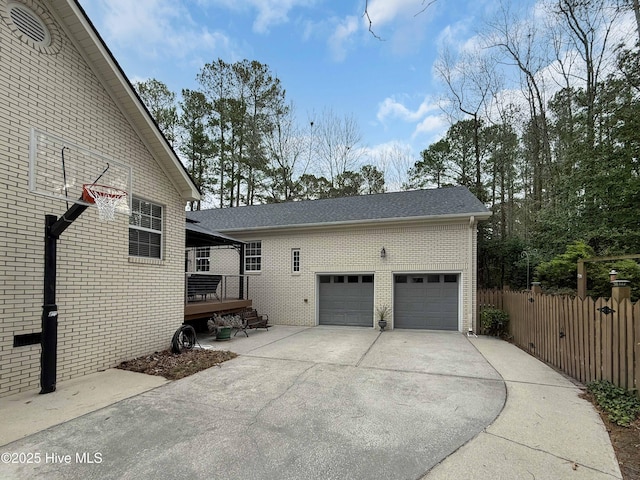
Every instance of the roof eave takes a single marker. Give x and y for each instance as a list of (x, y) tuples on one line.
[(97, 55), (476, 216)]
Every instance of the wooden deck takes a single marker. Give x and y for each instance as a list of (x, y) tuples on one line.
[(195, 310)]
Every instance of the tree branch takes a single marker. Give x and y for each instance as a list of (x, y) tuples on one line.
[(426, 6), (366, 14)]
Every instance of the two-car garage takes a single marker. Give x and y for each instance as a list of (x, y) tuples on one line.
[(421, 301)]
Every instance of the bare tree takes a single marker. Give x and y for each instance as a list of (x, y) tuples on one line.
[(636, 10), (336, 144), (519, 42), (395, 160), (288, 152), (469, 79), (589, 24)]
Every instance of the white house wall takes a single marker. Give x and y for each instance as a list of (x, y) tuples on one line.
[(111, 307), (291, 298)]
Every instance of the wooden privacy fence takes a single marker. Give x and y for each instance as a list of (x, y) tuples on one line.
[(588, 340)]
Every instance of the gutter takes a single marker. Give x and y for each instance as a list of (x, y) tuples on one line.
[(345, 223)]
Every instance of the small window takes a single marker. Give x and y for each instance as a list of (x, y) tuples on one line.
[(253, 256), (325, 279), (295, 260), (203, 262), (433, 278), (367, 279), (145, 229), (401, 279), (338, 279), (417, 279), (450, 278), (352, 279)]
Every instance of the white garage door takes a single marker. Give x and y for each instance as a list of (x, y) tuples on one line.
[(346, 300), (426, 301)]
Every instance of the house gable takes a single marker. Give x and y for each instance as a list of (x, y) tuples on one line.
[(102, 290)]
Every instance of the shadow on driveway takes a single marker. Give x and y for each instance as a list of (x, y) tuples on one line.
[(299, 403)]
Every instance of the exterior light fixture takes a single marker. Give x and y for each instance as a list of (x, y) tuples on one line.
[(613, 275), (383, 253)]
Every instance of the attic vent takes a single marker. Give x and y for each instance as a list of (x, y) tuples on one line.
[(29, 24)]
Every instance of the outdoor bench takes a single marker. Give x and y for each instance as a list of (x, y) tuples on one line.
[(204, 285), (251, 319)]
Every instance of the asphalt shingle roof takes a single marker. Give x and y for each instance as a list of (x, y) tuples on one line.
[(450, 201)]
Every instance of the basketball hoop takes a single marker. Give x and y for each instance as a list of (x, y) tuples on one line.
[(106, 199)]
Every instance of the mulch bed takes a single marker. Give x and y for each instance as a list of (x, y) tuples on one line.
[(174, 366)]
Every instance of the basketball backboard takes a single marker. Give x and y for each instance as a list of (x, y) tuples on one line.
[(58, 168)]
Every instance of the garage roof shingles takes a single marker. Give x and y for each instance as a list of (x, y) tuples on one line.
[(442, 202)]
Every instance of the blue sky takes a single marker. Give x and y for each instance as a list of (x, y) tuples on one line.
[(321, 50)]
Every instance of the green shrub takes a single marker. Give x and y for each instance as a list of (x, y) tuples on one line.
[(621, 405), (598, 274), (561, 271), (495, 321)]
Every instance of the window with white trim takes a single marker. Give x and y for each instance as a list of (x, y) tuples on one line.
[(295, 260), (203, 263), (145, 229), (253, 256)]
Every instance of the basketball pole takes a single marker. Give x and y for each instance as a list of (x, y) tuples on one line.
[(54, 227)]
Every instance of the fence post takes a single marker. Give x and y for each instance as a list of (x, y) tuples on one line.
[(536, 287), (620, 290)]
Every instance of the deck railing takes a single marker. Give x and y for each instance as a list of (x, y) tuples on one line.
[(215, 287)]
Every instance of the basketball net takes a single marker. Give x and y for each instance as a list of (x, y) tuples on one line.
[(108, 200)]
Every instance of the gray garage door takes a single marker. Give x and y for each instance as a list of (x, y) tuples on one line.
[(346, 300), (426, 301)]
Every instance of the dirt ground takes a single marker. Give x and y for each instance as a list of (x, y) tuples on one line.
[(173, 366), (625, 440)]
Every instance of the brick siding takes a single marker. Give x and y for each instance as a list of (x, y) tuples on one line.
[(111, 307), (291, 298)]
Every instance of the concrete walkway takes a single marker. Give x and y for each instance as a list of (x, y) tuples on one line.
[(321, 403), (29, 412), (546, 431)]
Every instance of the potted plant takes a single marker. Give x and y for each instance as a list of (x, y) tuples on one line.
[(221, 326), (382, 313)]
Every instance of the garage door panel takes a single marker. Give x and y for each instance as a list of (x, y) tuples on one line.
[(347, 302), (426, 301)]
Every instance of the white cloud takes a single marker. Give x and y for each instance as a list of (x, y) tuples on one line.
[(392, 108), (428, 122), (382, 12), (341, 39), (269, 13), (156, 28), (433, 125)]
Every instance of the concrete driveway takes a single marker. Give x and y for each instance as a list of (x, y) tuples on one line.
[(299, 403)]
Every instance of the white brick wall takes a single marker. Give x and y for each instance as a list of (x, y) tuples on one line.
[(111, 308), (426, 248)]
